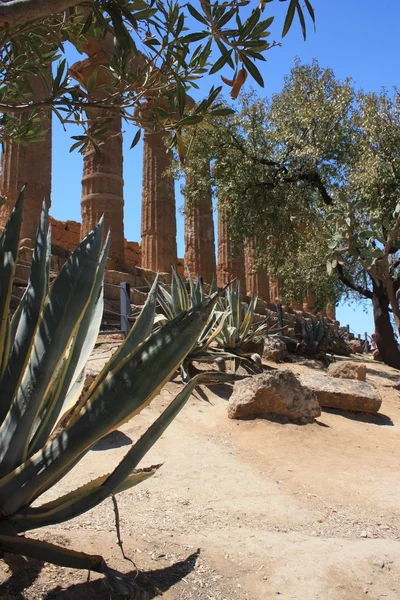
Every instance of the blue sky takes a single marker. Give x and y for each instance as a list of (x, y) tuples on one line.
[(356, 38)]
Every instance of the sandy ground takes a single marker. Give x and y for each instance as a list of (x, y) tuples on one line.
[(242, 510)]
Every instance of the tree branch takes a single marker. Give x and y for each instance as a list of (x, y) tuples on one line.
[(18, 12), (351, 284)]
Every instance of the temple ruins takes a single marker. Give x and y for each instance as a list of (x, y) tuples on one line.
[(103, 194)]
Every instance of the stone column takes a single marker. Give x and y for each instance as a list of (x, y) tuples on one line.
[(102, 181), (257, 282), (158, 206), (230, 260), (276, 290), (29, 164), (199, 235), (309, 300), (102, 189)]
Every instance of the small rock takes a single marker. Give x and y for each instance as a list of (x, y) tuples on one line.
[(274, 349), (348, 370), (356, 346), (277, 393)]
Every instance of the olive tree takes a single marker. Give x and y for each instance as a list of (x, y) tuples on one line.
[(154, 51)]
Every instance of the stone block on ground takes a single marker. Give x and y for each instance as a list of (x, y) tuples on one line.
[(343, 394), (274, 349), (273, 394), (356, 346), (338, 346), (348, 370)]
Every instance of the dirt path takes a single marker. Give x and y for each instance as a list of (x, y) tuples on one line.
[(276, 510)]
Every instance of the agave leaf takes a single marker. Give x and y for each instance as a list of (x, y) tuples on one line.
[(121, 584), (60, 320), (58, 401), (76, 502), (8, 257), (138, 333), (30, 316), (248, 319), (123, 393)]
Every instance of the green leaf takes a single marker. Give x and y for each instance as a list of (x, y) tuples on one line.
[(220, 63), (289, 17), (196, 15), (8, 256), (60, 319), (136, 139), (252, 69), (180, 96)]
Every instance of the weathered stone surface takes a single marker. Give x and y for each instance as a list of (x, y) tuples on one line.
[(158, 206), (254, 346), (65, 234), (278, 393), (257, 281), (356, 346), (199, 234), (338, 346), (29, 164), (275, 349), (348, 370), (102, 182), (230, 260), (275, 290), (343, 394), (132, 253)]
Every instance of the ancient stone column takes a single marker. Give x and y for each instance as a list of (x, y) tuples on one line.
[(199, 235), (158, 206), (309, 300), (276, 290), (230, 260), (102, 181), (29, 164), (257, 281)]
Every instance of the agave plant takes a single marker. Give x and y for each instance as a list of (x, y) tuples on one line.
[(238, 328), (179, 300), (314, 337), (43, 351)]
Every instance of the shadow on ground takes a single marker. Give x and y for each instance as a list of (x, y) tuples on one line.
[(24, 572), (374, 419), (150, 584), (115, 439)]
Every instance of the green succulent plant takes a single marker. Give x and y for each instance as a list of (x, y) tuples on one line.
[(181, 299), (238, 329), (43, 350), (314, 336)]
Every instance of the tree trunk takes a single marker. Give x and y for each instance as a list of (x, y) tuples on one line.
[(385, 339)]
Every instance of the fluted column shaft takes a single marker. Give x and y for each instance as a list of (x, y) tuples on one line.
[(257, 281), (199, 236), (276, 290), (29, 164), (103, 188), (158, 246), (230, 260)]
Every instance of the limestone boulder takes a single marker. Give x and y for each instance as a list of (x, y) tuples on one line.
[(356, 346), (343, 394), (273, 394), (338, 346), (275, 349), (348, 370), (254, 346)]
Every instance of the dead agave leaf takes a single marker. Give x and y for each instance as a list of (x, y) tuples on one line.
[(238, 83)]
